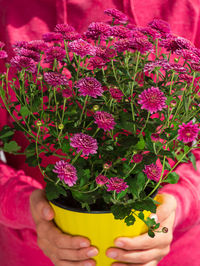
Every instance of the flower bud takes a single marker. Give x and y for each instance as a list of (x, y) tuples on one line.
[(164, 229), (155, 137), (60, 126), (137, 158), (95, 107), (40, 77), (176, 60), (106, 166), (39, 123)]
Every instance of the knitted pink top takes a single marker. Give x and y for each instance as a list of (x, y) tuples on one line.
[(28, 20)]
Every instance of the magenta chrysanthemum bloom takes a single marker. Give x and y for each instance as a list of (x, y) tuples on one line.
[(137, 158), (67, 93), (55, 79), (52, 37), (150, 32), (152, 171), (36, 45), (85, 143), (28, 53), (155, 137), (3, 54), (22, 62), (89, 86), (63, 28), (195, 67), (176, 43), (66, 172), (188, 132), (175, 67), (71, 36), (20, 44), (54, 52), (105, 53), (152, 100), (101, 180), (121, 32), (188, 55), (2, 44), (96, 62), (115, 13), (82, 48), (122, 45), (116, 184), (140, 44), (186, 78), (149, 67), (98, 29), (116, 94), (161, 26), (104, 120)]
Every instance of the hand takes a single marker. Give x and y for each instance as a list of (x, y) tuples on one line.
[(143, 250), (62, 249)]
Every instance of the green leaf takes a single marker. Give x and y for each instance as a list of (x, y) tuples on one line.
[(147, 205), (193, 160), (151, 233), (186, 149), (130, 220), (141, 144), (120, 211), (11, 146), (51, 191), (172, 178), (141, 215), (6, 132), (24, 111)]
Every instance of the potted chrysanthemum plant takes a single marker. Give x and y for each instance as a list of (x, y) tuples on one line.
[(111, 106)]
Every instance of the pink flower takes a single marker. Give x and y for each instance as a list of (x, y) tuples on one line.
[(66, 172), (176, 43), (188, 132), (121, 32), (104, 120), (155, 137), (140, 44), (72, 36), (98, 29), (89, 86), (63, 28), (101, 180), (188, 55), (36, 45), (55, 79), (175, 67), (67, 93), (82, 48), (2, 44), (137, 158), (3, 54), (149, 31), (158, 63), (116, 94), (115, 13), (186, 78), (105, 53), (122, 45), (84, 143), (116, 184), (96, 62), (152, 171), (52, 37), (161, 26), (152, 100), (54, 52), (22, 62), (28, 53)]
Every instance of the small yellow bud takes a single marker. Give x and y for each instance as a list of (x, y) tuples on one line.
[(95, 107), (176, 60), (39, 123), (40, 77), (61, 126), (106, 166)]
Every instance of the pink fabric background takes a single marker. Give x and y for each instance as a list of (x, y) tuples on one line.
[(28, 20)]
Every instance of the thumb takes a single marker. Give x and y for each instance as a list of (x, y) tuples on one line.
[(166, 208), (40, 207)]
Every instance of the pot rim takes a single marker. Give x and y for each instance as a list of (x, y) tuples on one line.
[(77, 209)]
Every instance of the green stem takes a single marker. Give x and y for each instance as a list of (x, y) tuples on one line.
[(85, 102)]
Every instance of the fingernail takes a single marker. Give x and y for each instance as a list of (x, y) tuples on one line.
[(92, 253), (46, 212), (112, 254), (154, 216), (84, 244), (119, 244), (87, 264)]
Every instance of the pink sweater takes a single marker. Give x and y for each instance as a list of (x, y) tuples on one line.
[(27, 20)]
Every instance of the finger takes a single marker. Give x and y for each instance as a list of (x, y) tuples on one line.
[(152, 263), (72, 263), (77, 254), (141, 257), (167, 206), (40, 206)]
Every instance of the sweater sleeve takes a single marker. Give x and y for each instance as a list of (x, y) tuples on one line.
[(15, 190), (187, 194)]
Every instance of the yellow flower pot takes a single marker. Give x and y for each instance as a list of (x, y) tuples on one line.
[(100, 227)]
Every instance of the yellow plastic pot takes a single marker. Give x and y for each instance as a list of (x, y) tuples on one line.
[(100, 227)]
